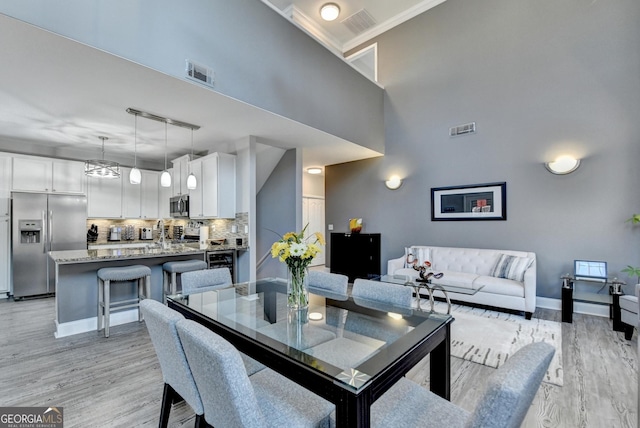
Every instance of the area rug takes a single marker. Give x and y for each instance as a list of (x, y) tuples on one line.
[(490, 337)]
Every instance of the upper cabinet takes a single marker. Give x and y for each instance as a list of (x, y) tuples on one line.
[(104, 197), (36, 174), (179, 175), (215, 194), (5, 185), (140, 200)]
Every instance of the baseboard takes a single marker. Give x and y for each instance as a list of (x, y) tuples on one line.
[(578, 307), (90, 324)]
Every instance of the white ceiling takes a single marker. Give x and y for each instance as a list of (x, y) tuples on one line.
[(336, 35), (57, 95)]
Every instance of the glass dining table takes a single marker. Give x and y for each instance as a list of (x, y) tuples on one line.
[(346, 350)]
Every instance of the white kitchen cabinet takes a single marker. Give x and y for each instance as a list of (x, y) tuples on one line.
[(5, 186), (130, 196), (104, 197), (215, 196), (5, 265), (150, 193), (32, 174), (165, 194), (67, 177), (38, 174), (179, 175), (195, 195)]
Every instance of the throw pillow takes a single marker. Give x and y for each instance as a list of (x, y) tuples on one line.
[(511, 267)]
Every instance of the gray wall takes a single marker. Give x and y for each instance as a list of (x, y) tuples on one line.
[(540, 78), (276, 211), (257, 55)]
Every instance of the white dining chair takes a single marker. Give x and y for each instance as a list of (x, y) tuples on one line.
[(322, 282), (393, 294), (198, 281)]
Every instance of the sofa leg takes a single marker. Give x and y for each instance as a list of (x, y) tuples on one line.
[(528, 315), (628, 332)]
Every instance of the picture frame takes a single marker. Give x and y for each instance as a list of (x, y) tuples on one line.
[(486, 201)]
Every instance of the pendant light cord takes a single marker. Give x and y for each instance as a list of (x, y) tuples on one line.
[(135, 142), (165, 146)]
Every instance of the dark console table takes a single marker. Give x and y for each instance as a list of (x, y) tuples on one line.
[(356, 255), (612, 298)]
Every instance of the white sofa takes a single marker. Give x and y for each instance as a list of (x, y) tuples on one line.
[(475, 268)]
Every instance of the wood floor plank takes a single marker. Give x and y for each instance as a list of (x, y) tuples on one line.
[(117, 382)]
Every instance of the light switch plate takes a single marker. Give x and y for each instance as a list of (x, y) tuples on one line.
[(330, 227)]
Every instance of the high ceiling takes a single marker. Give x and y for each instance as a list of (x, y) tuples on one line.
[(358, 22), (57, 96)]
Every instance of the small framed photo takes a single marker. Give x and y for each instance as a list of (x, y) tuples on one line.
[(469, 202)]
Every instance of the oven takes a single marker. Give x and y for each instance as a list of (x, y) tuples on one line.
[(222, 259)]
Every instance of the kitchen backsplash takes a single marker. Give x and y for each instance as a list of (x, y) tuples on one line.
[(218, 228)]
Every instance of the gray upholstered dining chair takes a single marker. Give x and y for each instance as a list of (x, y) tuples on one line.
[(334, 283), (232, 399), (205, 280), (508, 395), (394, 294), (178, 380)]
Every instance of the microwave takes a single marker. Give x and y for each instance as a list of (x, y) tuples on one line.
[(179, 206)]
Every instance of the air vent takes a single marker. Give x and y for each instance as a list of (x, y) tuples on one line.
[(467, 128), (199, 73), (359, 22)]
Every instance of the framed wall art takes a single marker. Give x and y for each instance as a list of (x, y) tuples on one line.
[(470, 202)]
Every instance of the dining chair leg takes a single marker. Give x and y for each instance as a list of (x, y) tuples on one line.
[(167, 400), (200, 422)]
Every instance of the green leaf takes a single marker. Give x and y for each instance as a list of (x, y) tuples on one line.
[(634, 219)]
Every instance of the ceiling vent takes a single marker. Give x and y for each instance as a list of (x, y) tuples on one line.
[(359, 22), (467, 128), (199, 73)]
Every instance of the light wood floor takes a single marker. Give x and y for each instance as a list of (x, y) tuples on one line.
[(117, 382)]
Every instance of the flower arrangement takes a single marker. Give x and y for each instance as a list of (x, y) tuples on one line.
[(297, 252)]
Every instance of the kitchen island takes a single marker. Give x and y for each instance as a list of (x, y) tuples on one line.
[(76, 301)]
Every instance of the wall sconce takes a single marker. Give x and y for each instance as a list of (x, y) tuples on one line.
[(314, 170), (393, 182), (329, 11), (563, 165)]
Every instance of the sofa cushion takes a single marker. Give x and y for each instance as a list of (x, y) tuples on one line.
[(511, 267), (457, 279), (503, 286), (468, 260)]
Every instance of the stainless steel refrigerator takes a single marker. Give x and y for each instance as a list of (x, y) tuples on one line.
[(43, 223)]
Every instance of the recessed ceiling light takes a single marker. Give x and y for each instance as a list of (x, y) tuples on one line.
[(314, 170), (329, 11)]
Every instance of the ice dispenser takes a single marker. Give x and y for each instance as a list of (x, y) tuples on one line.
[(30, 231)]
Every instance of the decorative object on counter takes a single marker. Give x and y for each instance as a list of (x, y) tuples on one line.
[(355, 225), (135, 176), (92, 233), (146, 234), (294, 250), (115, 233), (178, 231), (204, 236), (100, 168), (238, 242), (129, 233), (218, 241)]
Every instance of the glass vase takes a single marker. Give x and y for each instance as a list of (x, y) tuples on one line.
[(297, 288)]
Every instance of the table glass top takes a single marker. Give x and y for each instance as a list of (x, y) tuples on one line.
[(435, 284), (350, 340)]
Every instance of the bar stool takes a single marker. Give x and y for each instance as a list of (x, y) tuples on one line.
[(170, 285), (139, 273)]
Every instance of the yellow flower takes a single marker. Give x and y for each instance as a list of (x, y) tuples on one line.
[(289, 236), (319, 238)]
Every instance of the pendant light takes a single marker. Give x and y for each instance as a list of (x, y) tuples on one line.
[(192, 182), (100, 168), (165, 177), (135, 176)]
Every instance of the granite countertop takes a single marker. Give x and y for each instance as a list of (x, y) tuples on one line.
[(83, 256)]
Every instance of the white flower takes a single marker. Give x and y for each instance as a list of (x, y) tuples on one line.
[(297, 250)]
